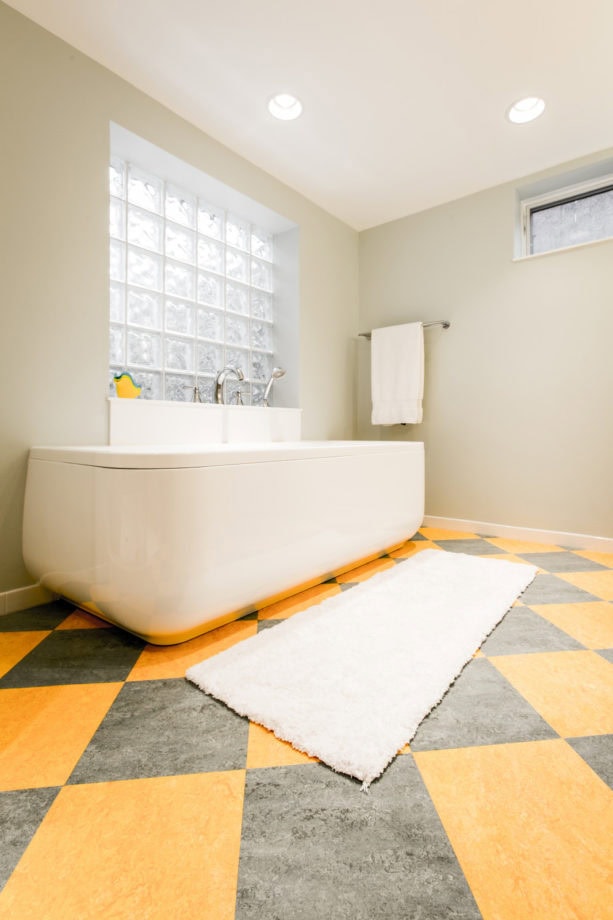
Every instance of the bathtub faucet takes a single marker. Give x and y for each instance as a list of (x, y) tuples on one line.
[(221, 378)]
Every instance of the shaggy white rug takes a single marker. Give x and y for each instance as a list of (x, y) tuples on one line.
[(350, 679)]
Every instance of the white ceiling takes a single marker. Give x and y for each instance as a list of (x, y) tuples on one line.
[(404, 100)]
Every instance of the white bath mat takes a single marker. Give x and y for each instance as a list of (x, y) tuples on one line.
[(349, 680)]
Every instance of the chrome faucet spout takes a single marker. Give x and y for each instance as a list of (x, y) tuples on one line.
[(227, 371)]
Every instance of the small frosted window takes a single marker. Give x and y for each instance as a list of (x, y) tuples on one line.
[(583, 219)]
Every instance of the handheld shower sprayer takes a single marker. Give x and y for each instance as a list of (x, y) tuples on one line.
[(277, 373)]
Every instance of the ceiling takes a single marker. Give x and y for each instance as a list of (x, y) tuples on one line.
[(404, 100)]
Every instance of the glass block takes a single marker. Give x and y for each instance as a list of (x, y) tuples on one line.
[(261, 336), (112, 371), (237, 265), (179, 354), (261, 305), (237, 232), (206, 385), (180, 206), (144, 229), (117, 177), (180, 244), (117, 261), (257, 394), (117, 221), (116, 351), (239, 359), (210, 358), (261, 244), (144, 269), (261, 365), (117, 302), (261, 274), (210, 324), (144, 190), (144, 349), (180, 280), (179, 317), (210, 255), (209, 290), (237, 330), (237, 298), (179, 388), (151, 382), (144, 309), (210, 220)]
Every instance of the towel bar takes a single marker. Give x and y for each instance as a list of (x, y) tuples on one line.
[(439, 322)]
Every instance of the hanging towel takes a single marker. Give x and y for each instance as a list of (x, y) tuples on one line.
[(397, 374)]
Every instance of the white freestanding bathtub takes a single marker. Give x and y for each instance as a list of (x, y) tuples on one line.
[(169, 542)]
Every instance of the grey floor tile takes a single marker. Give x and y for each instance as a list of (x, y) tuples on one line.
[(45, 616), (344, 586), (20, 815), (474, 547), (563, 561), (267, 624), (597, 751), (418, 536), (480, 708), (76, 656), (523, 630), (549, 589), (314, 847), (606, 653), (163, 728)]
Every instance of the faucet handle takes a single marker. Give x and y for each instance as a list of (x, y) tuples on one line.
[(196, 397)]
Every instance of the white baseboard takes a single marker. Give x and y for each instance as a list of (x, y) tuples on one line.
[(22, 598), (557, 537)]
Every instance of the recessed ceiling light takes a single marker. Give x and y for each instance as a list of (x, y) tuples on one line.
[(285, 106), (526, 110)]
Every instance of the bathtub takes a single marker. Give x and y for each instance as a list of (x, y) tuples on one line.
[(170, 542)]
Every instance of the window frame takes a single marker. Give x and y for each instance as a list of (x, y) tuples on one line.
[(560, 196)]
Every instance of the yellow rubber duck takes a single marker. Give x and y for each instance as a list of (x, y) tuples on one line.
[(125, 386)]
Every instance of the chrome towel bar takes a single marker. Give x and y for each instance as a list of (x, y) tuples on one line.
[(439, 322)]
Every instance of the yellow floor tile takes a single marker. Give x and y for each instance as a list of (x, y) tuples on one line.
[(436, 533), (411, 548), (594, 556), (149, 848), (531, 825), (599, 584), (15, 645), (264, 749), (591, 623), (82, 620), (297, 602), (573, 691), (366, 571), (509, 557), (523, 546), (163, 661), (46, 729)]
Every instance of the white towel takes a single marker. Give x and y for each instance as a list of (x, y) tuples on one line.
[(397, 374)]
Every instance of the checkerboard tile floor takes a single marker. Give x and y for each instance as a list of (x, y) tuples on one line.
[(125, 792)]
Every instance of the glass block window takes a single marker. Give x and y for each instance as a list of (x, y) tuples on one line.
[(569, 217), (191, 290)]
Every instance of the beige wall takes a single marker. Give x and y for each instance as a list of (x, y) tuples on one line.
[(56, 106), (518, 407)]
